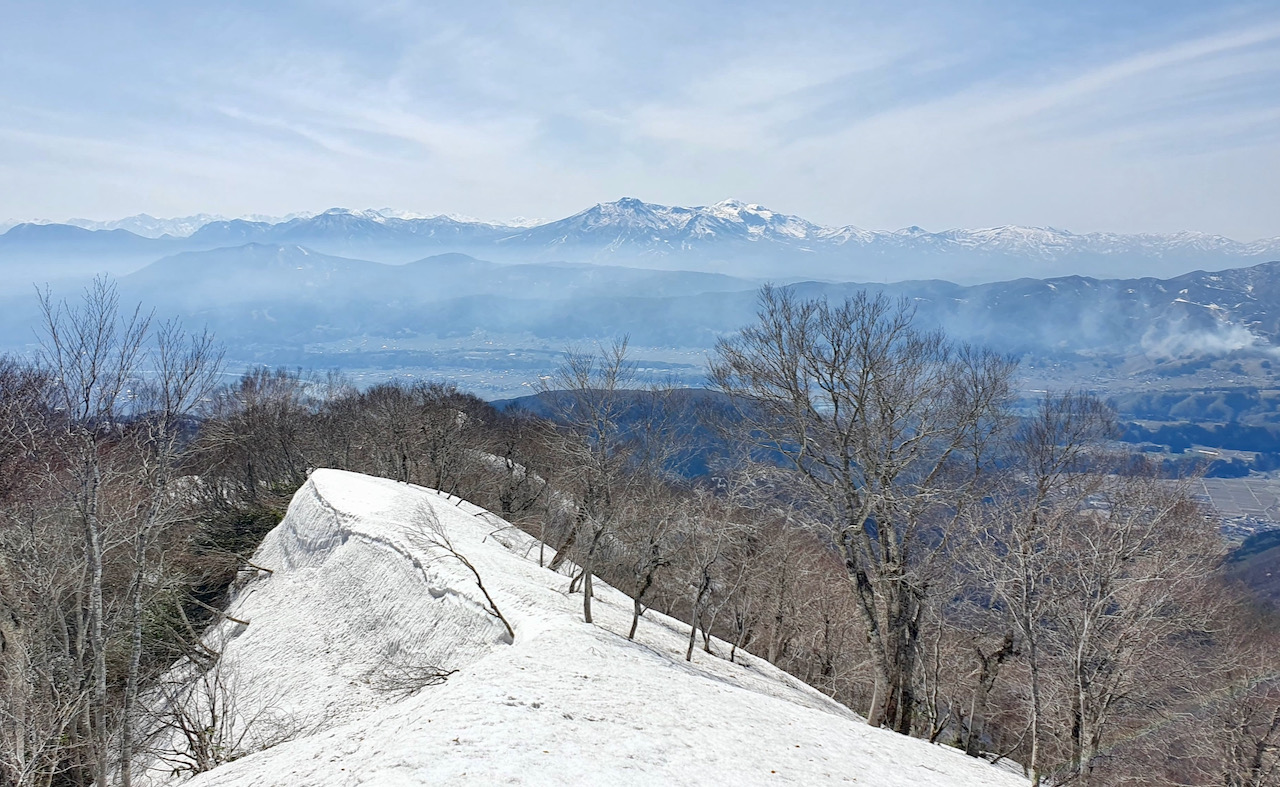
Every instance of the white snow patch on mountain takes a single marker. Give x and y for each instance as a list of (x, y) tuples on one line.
[(151, 227), (382, 215), (358, 592)]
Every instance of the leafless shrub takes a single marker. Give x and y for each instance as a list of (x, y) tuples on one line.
[(200, 723), (429, 535), (400, 676)]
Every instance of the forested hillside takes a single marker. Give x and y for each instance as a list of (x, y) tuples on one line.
[(878, 522)]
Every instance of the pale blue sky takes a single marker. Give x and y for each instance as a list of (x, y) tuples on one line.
[(1138, 116)]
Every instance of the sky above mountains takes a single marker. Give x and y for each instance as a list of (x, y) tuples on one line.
[(1142, 116)]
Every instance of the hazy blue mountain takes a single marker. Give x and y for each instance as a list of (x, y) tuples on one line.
[(1196, 313), (258, 271), (283, 296), (230, 232), (62, 238), (271, 292), (254, 273), (38, 253)]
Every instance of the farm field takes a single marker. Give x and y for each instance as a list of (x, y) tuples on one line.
[(1246, 505)]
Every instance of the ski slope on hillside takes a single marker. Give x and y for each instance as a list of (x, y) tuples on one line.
[(360, 590)]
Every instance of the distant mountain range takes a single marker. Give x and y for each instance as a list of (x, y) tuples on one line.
[(184, 226), (149, 226), (729, 237)]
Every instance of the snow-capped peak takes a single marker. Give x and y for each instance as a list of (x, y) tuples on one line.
[(761, 221)]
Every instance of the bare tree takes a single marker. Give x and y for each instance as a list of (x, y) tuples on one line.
[(1132, 561), (390, 430), (713, 531), (429, 534), (587, 395), (92, 352), (45, 685), (889, 427), (520, 488), (1092, 561), (199, 722), (1015, 554), (254, 435), (107, 433), (400, 676), (184, 372), (648, 532), (1235, 742)]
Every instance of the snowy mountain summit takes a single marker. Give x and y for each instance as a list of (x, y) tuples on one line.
[(644, 226), (369, 654)]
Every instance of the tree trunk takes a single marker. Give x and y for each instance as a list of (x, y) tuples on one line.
[(696, 616), (740, 641), (639, 609), (251, 479), (97, 635), (587, 589), (635, 618), (570, 538), (135, 635), (16, 661), (135, 662), (905, 663), (988, 670), (894, 646), (693, 635), (1033, 655)]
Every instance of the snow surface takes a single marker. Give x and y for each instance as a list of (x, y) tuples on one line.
[(355, 586)]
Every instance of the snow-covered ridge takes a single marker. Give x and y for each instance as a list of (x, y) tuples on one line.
[(357, 591), (393, 216), (149, 226)]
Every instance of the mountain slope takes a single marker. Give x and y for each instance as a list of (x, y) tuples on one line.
[(355, 587), (252, 272)]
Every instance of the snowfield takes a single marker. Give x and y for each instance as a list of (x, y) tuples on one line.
[(359, 596)]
